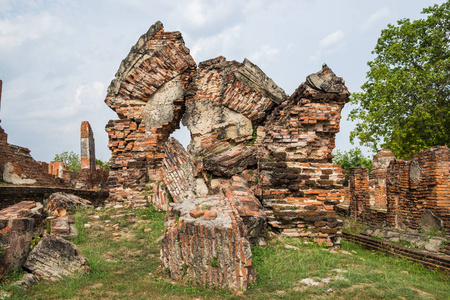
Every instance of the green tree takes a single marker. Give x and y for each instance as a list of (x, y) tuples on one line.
[(102, 164), (404, 105), (72, 160), (350, 159)]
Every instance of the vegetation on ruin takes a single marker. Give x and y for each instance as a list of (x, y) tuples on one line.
[(405, 104), (70, 159), (128, 266), (351, 159), (73, 161)]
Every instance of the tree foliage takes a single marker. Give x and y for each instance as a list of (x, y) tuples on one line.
[(71, 160), (102, 164), (351, 159), (404, 105)]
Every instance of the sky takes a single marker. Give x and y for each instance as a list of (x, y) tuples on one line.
[(57, 57)]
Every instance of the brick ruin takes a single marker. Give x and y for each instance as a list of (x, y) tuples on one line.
[(257, 156), (87, 147), (18, 167), (416, 191), (90, 176)]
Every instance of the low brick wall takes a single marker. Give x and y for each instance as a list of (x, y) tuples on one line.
[(428, 259), (10, 195)]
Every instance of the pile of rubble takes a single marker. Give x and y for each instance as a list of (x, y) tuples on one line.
[(257, 156), (25, 242)]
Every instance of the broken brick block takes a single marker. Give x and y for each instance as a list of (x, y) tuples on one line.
[(19, 225)]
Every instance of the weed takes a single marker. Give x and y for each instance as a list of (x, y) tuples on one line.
[(213, 262), (34, 241), (184, 267), (169, 197), (254, 135)]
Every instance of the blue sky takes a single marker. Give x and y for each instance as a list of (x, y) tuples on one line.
[(58, 57)]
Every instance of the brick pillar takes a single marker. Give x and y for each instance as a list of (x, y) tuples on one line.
[(359, 192), (87, 147)]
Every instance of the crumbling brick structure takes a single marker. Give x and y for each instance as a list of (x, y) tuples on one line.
[(377, 177), (256, 155), (148, 96), (359, 196), (299, 184), (87, 147), (417, 193), (419, 185)]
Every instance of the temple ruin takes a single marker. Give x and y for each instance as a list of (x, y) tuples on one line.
[(257, 156), (406, 194)]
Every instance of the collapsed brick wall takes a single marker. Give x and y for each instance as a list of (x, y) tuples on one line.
[(208, 238), (249, 142), (299, 184), (147, 94)]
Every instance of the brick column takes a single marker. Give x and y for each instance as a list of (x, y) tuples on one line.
[(87, 147)]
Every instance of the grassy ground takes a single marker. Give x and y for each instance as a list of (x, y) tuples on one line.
[(127, 266)]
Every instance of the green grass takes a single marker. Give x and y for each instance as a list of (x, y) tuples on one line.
[(128, 267)]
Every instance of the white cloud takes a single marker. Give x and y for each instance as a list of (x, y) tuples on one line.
[(331, 39), (22, 28), (380, 16), (266, 52), (213, 46), (200, 13), (332, 43)]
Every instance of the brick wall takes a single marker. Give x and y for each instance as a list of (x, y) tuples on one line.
[(24, 164), (419, 185), (414, 188), (299, 184), (377, 177)]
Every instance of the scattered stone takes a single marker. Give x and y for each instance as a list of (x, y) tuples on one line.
[(87, 225), (27, 280), (196, 213), (339, 271), (147, 229), (64, 227), (210, 215), (115, 234), (54, 257), (291, 247), (96, 217), (117, 216), (118, 206), (62, 201), (309, 281)]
